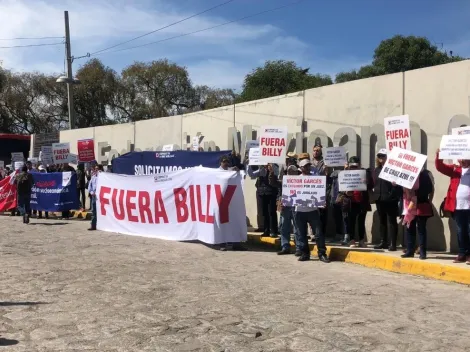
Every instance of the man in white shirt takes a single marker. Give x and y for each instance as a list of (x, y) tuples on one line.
[(305, 215)]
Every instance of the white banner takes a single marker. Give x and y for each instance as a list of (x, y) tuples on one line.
[(305, 191), (253, 156), (403, 167), (61, 153), (335, 156), (397, 132), (455, 147), (194, 204), (273, 144), (352, 180)]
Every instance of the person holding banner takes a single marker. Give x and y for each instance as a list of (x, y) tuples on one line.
[(42, 169), (320, 169), (386, 197), (457, 202), (309, 215), (92, 192), (24, 184)]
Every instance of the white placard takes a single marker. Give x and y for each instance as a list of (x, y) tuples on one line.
[(304, 191), (18, 165), (335, 156), (33, 161), (251, 144), (397, 132), (61, 153), (403, 167), (457, 132), (45, 155), (455, 147), (253, 156), (167, 148), (352, 180), (17, 156), (273, 144), (73, 159), (195, 146)]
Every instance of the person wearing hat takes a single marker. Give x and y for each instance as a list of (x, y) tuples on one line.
[(309, 215), (355, 205), (386, 197), (319, 169)]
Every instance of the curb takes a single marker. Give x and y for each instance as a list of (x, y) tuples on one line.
[(85, 215), (382, 261)]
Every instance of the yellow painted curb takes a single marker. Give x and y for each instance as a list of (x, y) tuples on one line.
[(384, 262)]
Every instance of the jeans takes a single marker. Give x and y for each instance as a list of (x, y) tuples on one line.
[(302, 220), (82, 202), (338, 218), (462, 218), (388, 213), (24, 204), (270, 214), (355, 215), (287, 215), (420, 223), (93, 212)]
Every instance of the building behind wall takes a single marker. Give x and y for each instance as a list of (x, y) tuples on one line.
[(349, 114)]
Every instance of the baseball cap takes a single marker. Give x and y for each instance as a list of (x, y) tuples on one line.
[(304, 162), (41, 168), (382, 151), (354, 161), (291, 155)]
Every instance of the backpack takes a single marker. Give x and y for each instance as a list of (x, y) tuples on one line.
[(425, 187)]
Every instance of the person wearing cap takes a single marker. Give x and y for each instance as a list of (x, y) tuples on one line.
[(42, 169), (309, 215), (24, 184), (386, 197), (319, 169), (356, 204)]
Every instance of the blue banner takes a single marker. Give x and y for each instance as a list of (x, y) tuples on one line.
[(149, 163), (54, 192)]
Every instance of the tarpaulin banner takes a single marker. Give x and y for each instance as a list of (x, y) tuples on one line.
[(86, 150), (7, 194), (197, 204), (54, 192), (149, 163)]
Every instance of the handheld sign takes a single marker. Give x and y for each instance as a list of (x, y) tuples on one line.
[(60, 153), (304, 191), (86, 150), (273, 144), (403, 167), (352, 180), (253, 157), (397, 132), (167, 148), (335, 156), (455, 147), (45, 155)]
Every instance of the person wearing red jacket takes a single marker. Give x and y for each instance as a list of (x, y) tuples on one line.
[(458, 202)]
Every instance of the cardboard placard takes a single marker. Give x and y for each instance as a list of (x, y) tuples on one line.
[(352, 180), (304, 191), (273, 144), (397, 132), (455, 147), (334, 156)]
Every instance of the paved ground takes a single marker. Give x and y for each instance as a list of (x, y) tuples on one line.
[(64, 289)]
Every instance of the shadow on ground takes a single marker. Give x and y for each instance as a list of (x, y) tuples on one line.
[(12, 304), (7, 342)]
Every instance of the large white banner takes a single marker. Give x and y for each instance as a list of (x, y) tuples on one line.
[(397, 132), (194, 204), (403, 167), (273, 144)]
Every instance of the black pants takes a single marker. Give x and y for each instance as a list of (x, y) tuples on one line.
[(355, 216), (388, 212), (81, 192), (270, 213), (324, 220), (260, 218)]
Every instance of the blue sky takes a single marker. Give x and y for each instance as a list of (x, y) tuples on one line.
[(328, 36)]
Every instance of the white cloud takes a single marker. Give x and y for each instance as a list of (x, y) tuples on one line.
[(219, 57)]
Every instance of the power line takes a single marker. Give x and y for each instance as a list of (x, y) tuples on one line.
[(206, 29), (31, 38), (31, 45), (162, 28)]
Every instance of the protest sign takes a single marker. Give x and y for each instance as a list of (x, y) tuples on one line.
[(195, 146), (54, 192), (304, 191), (18, 165), (352, 180), (17, 157), (403, 167), (198, 204), (335, 156), (167, 148), (253, 156), (459, 131), (33, 161), (397, 132), (273, 144), (73, 159), (455, 147), (2, 164), (45, 155), (251, 144), (86, 150), (60, 153), (7, 194)]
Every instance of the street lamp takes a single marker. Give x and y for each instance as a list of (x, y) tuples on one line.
[(65, 79)]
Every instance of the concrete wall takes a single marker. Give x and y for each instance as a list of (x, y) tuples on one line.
[(349, 114)]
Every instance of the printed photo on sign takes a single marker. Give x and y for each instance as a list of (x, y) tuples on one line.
[(253, 157), (352, 180), (403, 167), (334, 156), (397, 132), (273, 144), (455, 147), (304, 191)]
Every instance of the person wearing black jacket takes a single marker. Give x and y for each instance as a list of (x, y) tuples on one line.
[(386, 197)]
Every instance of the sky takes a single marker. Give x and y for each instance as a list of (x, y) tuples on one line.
[(328, 36)]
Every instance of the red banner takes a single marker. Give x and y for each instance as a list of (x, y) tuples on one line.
[(86, 150), (7, 194)]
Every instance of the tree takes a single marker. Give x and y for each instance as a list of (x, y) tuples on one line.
[(209, 98), (399, 54), (279, 77)]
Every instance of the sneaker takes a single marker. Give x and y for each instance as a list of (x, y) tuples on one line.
[(323, 258), (345, 240), (304, 258), (284, 251), (273, 235), (381, 246), (352, 244), (298, 254), (362, 244)]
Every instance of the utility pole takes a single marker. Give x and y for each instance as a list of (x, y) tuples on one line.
[(68, 52)]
